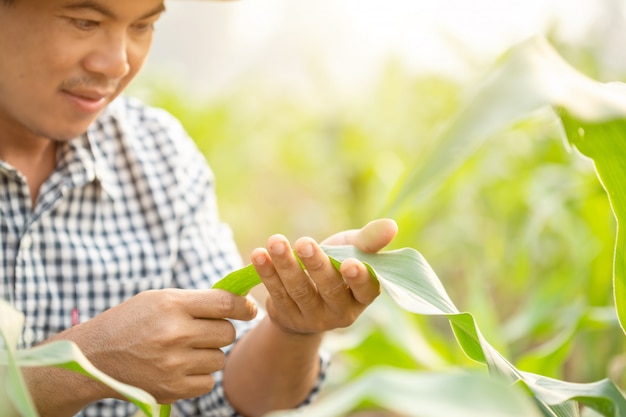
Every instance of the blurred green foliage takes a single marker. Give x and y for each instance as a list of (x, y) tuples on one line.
[(521, 235)]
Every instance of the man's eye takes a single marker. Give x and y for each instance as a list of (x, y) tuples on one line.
[(143, 27), (85, 24)]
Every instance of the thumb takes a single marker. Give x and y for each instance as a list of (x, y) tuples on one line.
[(370, 238)]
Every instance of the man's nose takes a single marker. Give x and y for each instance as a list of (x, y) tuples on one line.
[(109, 57)]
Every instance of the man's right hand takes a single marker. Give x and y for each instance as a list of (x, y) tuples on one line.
[(166, 342)]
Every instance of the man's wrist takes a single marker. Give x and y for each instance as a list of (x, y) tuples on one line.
[(60, 392)]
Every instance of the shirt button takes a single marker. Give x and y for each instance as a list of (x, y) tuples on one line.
[(26, 242)]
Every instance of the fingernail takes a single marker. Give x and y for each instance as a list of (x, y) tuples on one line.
[(305, 251), (259, 260), (352, 272), (278, 248)]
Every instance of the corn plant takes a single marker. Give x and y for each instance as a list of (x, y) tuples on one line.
[(593, 116)]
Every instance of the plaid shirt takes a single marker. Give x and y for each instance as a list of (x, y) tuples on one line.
[(129, 207)]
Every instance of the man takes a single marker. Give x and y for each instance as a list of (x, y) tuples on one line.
[(111, 239)]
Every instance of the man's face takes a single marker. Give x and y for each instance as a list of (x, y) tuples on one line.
[(63, 61)]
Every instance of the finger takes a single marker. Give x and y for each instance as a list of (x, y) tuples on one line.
[(365, 288), (211, 333), (218, 304), (297, 283), (204, 361), (273, 284), (376, 235), (199, 385), (188, 374), (370, 238), (345, 237), (330, 285), (192, 386)]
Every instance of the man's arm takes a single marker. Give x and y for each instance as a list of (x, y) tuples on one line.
[(166, 342), (275, 365)]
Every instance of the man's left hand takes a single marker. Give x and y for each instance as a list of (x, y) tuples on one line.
[(319, 298)]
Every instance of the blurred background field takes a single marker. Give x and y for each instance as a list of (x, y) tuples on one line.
[(312, 141)]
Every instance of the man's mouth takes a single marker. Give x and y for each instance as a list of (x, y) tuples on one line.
[(88, 100)]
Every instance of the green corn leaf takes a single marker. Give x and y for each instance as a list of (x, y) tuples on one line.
[(11, 322), (605, 143), (531, 76), (62, 354), (414, 286), (65, 354), (165, 411), (423, 394), (239, 282)]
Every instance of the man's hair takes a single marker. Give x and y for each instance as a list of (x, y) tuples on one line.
[(7, 2)]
